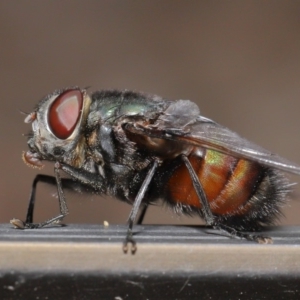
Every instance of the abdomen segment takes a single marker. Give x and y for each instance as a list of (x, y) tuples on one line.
[(229, 183)]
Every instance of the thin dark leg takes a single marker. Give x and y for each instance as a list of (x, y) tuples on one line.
[(136, 205), (209, 217), (61, 198), (39, 178), (239, 234), (142, 215), (67, 183)]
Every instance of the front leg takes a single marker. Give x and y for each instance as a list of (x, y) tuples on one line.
[(62, 205), (94, 181), (89, 181)]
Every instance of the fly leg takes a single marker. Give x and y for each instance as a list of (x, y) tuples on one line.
[(67, 183), (136, 205), (61, 198), (239, 234), (142, 215), (208, 215), (85, 181), (39, 178)]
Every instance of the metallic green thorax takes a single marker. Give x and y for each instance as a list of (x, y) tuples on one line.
[(109, 105)]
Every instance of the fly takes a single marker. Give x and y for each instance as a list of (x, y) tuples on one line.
[(140, 148)]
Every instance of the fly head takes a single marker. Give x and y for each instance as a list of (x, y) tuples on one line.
[(57, 128)]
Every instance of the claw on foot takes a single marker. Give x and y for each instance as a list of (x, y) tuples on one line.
[(18, 224), (133, 246)]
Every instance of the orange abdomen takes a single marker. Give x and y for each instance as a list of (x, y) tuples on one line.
[(227, 181)]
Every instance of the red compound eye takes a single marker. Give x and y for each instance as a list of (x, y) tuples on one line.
[(64, 113)]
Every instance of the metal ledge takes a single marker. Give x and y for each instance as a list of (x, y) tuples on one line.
[(172, 262)]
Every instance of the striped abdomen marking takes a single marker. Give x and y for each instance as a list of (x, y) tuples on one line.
[(227, 181)]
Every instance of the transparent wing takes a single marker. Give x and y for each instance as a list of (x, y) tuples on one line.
[(208, 134), (203, 132)]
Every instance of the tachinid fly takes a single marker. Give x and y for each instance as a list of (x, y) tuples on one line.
[(141, 148)]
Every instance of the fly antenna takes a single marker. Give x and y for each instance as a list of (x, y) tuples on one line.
[(23, 112)]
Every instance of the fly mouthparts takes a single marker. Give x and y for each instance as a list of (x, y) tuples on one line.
[(32, 160)]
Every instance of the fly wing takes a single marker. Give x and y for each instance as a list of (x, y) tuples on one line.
[(178, 115), (208, 134), (182, 122)]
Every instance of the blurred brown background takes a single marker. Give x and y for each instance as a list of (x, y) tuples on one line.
[(239, 60)]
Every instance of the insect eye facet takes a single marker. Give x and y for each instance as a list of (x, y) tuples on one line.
[(64, 113)]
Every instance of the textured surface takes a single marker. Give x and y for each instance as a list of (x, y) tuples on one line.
[(172, 262)]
